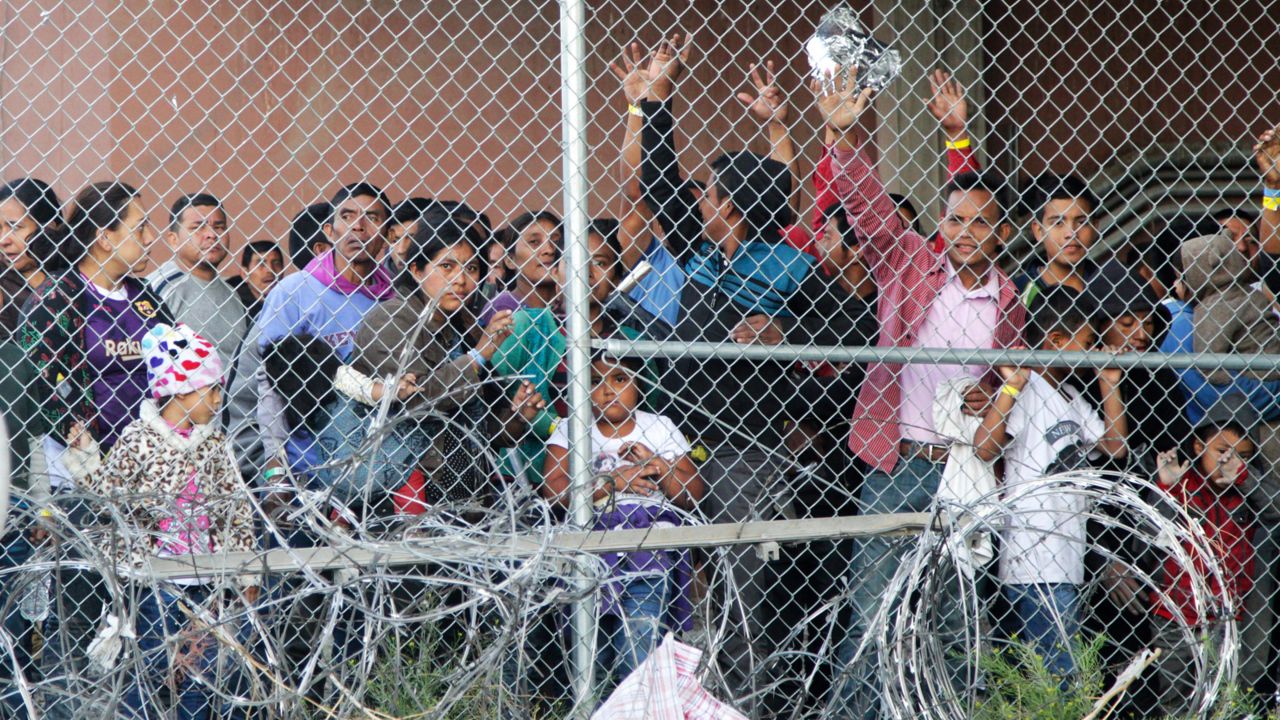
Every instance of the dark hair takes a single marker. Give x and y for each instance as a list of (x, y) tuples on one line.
[(306, 229), (431, 238), (1164, 254), (987, 182), (101, 206), (41, 203), (1245, 214), (1049, 187), (835, 211), (360, 189), (525, 219), (904, 203), (412, 210), (463, 210), (190, 200), (1207, 429), (258, 247), (1058, 309), (634, 364), (759, 188), (608, 228)]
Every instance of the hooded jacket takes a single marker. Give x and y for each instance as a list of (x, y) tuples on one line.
[(1230, 316), (765, 276)]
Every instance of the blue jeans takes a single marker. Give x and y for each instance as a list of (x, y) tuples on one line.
[(911, 487), (627, 639), (1047, 616), (160, 621)]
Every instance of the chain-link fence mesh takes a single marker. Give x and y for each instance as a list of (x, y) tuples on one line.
[(436, 359)]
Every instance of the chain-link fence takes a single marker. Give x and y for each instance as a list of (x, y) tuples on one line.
[(393, 359)]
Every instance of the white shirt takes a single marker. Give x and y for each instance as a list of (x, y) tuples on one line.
[(655, 432), (1045, 539), (957, 318)]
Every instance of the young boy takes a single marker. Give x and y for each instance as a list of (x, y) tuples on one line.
[(1062, 208), (1220, 489), (172, 475), (1042, 424), (644, 479)]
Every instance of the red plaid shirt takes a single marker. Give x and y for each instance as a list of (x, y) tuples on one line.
[(909, 274)]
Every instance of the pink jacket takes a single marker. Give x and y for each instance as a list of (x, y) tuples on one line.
[(909, 275)]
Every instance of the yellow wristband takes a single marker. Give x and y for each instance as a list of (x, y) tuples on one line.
[(1009, 390), (1271, 203), (958, 144), (635, 110)]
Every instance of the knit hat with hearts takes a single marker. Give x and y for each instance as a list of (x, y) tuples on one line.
[(179, 361)]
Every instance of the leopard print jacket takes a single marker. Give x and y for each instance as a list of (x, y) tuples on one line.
[(149, 474)]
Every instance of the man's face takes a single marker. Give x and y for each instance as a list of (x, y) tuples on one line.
[(972, 228), (358, 229), (1066, 231), (1242, 232), (200, 238), (263, 272)]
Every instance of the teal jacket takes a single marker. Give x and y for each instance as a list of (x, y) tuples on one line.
[(535, 349)]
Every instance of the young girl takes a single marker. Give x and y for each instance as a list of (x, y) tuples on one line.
[(174, 479), (431, 461), (644, 473)]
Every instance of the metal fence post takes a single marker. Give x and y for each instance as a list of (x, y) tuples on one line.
[(574, 140)]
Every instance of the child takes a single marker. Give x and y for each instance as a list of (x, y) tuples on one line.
[(175, 481), (1219, 489), (1043, 424), (643, 471)]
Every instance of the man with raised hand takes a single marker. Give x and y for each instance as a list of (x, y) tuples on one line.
[(954, 298), (189, 284), (744, 285)]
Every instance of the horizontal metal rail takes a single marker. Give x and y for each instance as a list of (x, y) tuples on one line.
[(443, 549), (944, 356)]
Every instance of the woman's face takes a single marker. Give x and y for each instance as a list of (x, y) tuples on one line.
[(16, 229), (131, 240), (534, 256), (450, 277), (601, 269)]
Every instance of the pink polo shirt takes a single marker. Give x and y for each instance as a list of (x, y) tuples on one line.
[(957, 318)]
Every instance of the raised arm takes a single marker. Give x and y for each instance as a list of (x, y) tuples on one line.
[(949, 106), (1267, 155), (669, 197), (633, 215), (769, 106), (887, 243)]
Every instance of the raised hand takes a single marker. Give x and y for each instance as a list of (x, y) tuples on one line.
[(667, 65), (1112, 376), (768, 105), (1232, 466), (1170, 470), (1266, 153), (948, 103), (528, 402), (495, 333), (634, 78), (840, 100)]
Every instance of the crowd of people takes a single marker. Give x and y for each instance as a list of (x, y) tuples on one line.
[(171, 388)]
